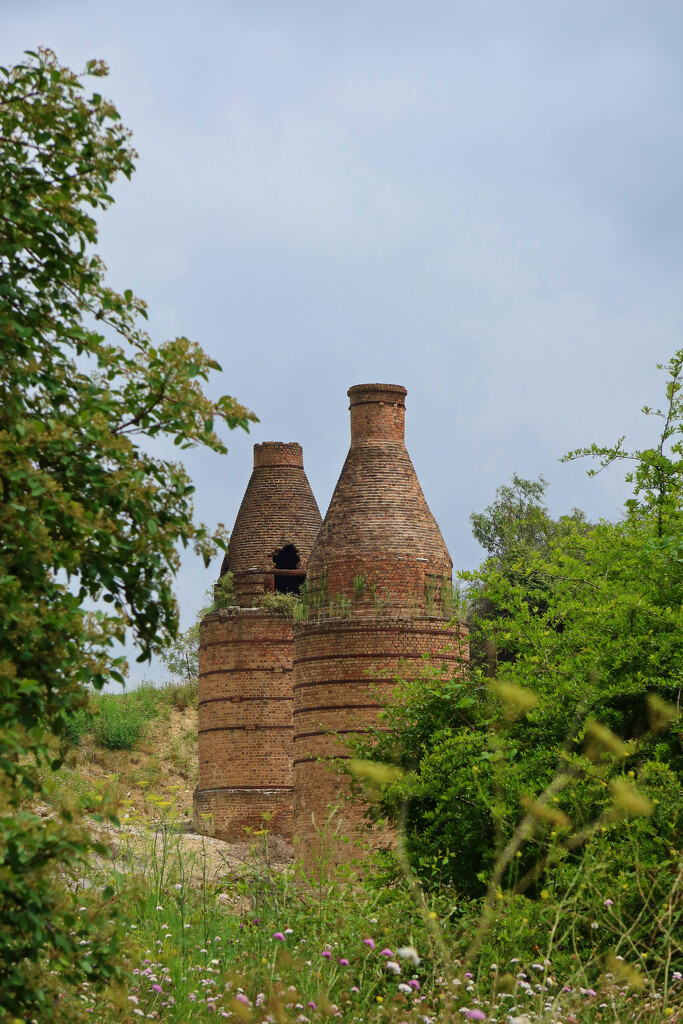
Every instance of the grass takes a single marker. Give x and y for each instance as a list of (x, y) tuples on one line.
[(261, 942), (254, 939)]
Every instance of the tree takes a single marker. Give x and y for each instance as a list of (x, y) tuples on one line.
[(90, 520), (181, 657), (590, 620)]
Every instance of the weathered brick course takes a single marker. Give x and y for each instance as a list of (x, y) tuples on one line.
[(344, 670)]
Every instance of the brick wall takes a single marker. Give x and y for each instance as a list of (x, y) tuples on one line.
[(245, 721), (343, 671)]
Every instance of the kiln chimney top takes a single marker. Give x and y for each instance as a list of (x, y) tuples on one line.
[(278, 453), (377, 412)]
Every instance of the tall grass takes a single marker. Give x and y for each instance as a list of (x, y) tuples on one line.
[(118, 721), (263, 942)]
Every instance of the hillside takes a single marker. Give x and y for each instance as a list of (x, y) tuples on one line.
[(138, 758)]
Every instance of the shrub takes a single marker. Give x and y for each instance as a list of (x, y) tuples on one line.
[(119, 723), (76, 724)]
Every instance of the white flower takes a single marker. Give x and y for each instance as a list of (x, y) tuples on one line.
[(404, 988), (393, 966), (409, 953)]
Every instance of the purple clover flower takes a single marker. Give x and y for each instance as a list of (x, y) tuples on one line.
[(369, 942)]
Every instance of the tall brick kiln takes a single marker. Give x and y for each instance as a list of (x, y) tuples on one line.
[(379, 564), (245, 654)]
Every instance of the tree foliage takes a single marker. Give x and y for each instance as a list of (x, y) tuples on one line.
[(590, 620), (181, 656), (90, 519)]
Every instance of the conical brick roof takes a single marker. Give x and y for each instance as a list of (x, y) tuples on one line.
[(276, 524), (379, 538)]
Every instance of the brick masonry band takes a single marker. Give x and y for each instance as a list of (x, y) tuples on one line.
[(268, 685)]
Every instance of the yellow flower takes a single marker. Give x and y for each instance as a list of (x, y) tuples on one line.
[(379, 999)]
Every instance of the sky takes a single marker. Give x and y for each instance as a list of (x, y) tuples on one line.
[(478, 200)]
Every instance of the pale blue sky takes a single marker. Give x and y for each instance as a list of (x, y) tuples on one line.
[(480, 201)]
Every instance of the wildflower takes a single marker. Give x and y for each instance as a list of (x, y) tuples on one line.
[(157, 988), (379, 999), (355, 989), (311, 1005), (391, 965), (177, 886), (289, 931), (369, 942), (594, 925), (160, 907), (404, 988), (409, 953), (609, 903), (241, 998), (414, 983), (475, 1015), (326, 953), (677, 975), (280, 936), (386, 952), (537, 967), (343, 962)]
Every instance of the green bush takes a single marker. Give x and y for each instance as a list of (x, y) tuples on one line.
[(76, 724), (119, 722)]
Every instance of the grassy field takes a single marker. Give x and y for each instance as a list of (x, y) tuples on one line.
[(236, 931)]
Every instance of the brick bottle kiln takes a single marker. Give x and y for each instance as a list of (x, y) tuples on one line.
[(245, 654), (380, 558), (276, 699)]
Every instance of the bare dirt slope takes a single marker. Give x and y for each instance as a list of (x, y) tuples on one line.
[(150, 789)]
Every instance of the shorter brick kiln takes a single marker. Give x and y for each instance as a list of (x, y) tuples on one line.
[(245, 654)]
